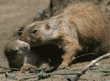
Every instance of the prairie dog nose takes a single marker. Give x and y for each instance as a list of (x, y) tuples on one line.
[(24, 45)]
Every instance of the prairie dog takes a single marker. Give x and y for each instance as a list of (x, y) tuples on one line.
[(80, 28), (19, 55)]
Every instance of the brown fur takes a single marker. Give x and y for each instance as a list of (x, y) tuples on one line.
[(18, 55), (14, 53), (82, 27)]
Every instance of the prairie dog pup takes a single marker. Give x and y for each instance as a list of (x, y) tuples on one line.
[(19, 55), (81, 27), (15, 52)]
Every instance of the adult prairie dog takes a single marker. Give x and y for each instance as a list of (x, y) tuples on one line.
[(82, 27)]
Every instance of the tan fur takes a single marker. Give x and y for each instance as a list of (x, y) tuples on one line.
[(82, 27), (15, 52), (19, 55)]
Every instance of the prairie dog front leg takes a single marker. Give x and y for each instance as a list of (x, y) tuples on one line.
[(70, 51)]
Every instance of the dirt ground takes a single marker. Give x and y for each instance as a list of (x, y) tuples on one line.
[(17, 13)]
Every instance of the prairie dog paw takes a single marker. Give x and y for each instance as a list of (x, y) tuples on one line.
[(26, 67), (44, 65), (63, 64)]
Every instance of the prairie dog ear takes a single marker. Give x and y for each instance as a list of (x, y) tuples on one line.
[(47, 26), (20, 31)]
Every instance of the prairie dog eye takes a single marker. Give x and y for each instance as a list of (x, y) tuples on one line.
[(34, 31)]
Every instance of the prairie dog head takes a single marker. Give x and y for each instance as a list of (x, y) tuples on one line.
[(39, 33), (15, 52), (45, 31)]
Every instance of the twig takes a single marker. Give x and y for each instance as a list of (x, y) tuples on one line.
[(65, 73), (10, 76), (10, 68), (85, 55), (90, 65)]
